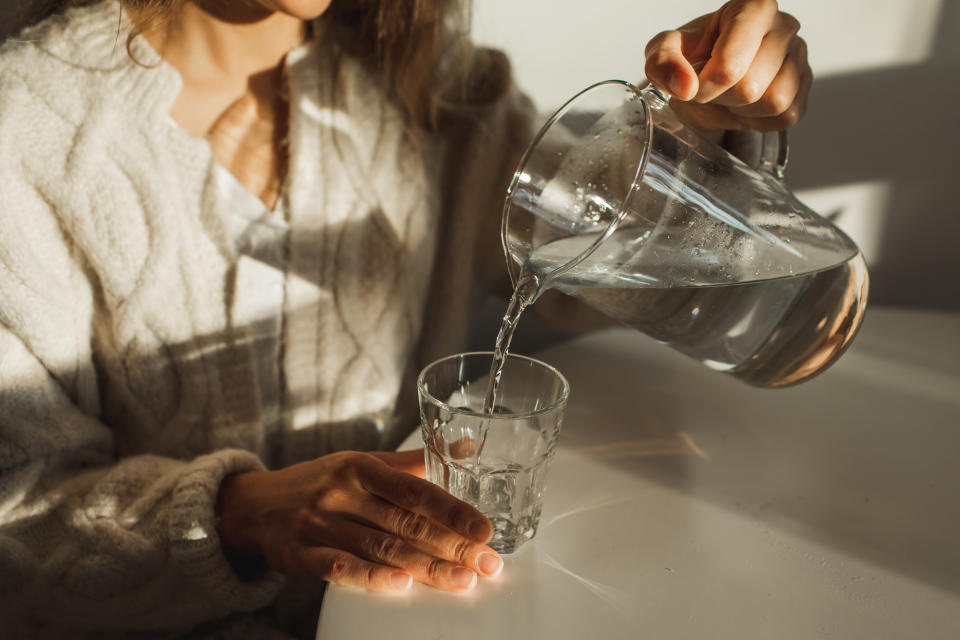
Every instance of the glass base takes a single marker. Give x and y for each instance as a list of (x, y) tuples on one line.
[(509, 536)]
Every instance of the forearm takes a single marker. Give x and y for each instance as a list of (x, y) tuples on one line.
[(130, 546), (89, 541)]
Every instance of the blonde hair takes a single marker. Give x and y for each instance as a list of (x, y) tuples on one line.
[(419, 48)]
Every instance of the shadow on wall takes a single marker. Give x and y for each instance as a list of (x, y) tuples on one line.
[(896, 125), (900, 126)]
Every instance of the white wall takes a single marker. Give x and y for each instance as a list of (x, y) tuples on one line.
[(876, 149)]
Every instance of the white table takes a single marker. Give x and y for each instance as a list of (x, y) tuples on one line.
[(684, 504)]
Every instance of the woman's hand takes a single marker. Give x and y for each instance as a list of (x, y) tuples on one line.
[(358, 519), (753, 70)]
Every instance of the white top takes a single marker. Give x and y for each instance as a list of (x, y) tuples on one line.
[(259, 236)]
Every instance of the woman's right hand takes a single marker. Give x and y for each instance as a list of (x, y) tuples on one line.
[(358, 519)]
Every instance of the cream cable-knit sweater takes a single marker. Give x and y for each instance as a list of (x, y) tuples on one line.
[(128, 385)]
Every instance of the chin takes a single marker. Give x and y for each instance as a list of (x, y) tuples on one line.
[(302, 9)]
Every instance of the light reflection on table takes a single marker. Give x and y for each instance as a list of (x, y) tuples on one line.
[(683, 503)]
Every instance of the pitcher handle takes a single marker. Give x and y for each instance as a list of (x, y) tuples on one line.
[(774, 152)]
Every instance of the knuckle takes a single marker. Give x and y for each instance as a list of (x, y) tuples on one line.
[(370, 578), (778, 102), (386, 548), (460, 550), (434, 569), (332, 498), (411, 494), (728, 71), (343, 467), (353, 460), (337, 569), (656, 60), (455, 519), (748, 91), (412, 525)]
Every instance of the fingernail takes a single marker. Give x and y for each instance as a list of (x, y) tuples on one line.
[(462, 577), (400, 581), (479, 530), (489, 564)]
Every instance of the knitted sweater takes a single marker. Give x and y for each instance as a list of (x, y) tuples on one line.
[(128, 382)]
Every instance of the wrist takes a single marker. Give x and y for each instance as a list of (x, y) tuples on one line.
[(237, 522)]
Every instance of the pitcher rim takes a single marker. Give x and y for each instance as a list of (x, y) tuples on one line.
[(622, 210)]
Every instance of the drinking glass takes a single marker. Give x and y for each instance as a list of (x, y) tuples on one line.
[(496, 461)]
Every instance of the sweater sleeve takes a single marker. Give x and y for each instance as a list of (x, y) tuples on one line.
[(96, 541), (91, 535)]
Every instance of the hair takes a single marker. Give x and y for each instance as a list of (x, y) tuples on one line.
[(419, 48)]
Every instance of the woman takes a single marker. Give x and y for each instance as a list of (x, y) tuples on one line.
[(229, 249)]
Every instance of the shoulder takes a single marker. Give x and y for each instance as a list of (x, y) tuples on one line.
[(70, 94), (74, 64), (50, 65)]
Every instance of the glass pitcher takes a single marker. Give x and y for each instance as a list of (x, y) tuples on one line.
[(618, 203)]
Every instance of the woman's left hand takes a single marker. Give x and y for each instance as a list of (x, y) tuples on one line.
[(753, 70)]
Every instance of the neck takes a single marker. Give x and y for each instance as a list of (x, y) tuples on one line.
[(225, 43)]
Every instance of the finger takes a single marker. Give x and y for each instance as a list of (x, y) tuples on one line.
[(385, 548), (341, 567), (790, 116), (770, 60), (462, 448), (793, 77), (424, 498), (742, 28), (706, 117), (429, 536), (667, 68), (407, 461)]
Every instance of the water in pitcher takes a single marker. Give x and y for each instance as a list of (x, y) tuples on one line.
[(768, 331), (748, 317)]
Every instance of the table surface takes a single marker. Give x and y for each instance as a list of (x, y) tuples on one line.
[(683, 503)]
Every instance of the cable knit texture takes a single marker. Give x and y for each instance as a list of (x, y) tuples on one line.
[(127, 389)]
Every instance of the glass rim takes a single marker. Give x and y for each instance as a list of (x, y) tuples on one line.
[(638, 95), (559, 403)]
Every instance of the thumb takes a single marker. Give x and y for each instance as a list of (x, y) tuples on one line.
[(409, 461), (675, 57), (667, 69)]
